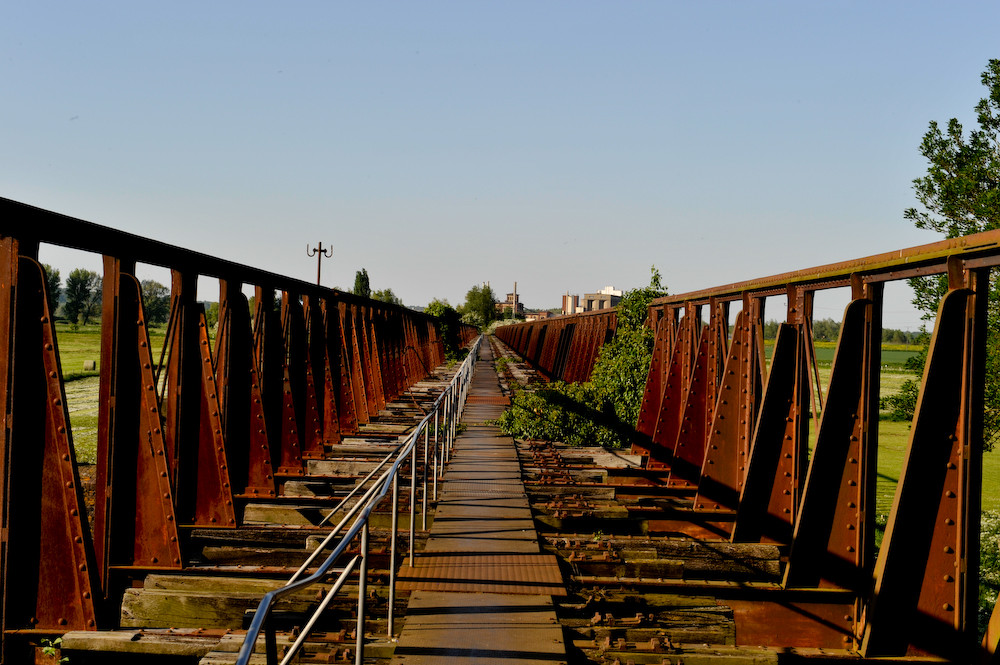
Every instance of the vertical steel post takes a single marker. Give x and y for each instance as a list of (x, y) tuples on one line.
[(424, 497), (437, 450), (392, 555), (359, 642), (413, 498)]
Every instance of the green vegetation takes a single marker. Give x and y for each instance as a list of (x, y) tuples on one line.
[(960, 195), (604, 410), (449, 326), (78, 345), (480, 306), (83, 296), (155, 301), (361, 286), (53, 287), (386, 295)]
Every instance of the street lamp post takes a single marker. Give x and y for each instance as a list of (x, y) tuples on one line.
[(319, 253)]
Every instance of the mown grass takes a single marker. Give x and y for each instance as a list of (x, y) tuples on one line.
[(77, 347)]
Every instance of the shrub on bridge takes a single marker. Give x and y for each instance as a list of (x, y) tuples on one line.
[(604, 410)]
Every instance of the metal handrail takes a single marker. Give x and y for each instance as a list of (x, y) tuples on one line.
[(449, 405)]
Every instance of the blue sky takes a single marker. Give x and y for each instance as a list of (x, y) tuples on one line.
[(564, 145)]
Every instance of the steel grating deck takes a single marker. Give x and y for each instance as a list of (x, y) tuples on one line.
[(494, 400), (481, 589), (484, 573)]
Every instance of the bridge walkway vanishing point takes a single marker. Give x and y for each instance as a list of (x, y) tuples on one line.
[(480, 590)]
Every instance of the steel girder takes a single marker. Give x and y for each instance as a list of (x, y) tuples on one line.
[(186, 434)]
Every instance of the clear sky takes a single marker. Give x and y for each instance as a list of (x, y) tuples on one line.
[(564, 145)]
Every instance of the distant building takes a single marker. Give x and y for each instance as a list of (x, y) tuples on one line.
[(534, 316), (512, 304), (606, 298), (570, 304)]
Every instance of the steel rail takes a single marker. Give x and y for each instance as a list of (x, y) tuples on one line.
[(362, 509), (37, 225), (978, 250)]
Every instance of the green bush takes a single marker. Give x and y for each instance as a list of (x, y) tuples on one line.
[(573, 413), (604, 410), (989, 567)]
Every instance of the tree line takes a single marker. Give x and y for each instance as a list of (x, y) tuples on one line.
[(78, 301), (828, 330)]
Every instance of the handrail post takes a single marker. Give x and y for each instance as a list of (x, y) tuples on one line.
[(447, 424), (413, 499), (270, 642), (424, 484), (392, 555), (437, 449), (359, 642)]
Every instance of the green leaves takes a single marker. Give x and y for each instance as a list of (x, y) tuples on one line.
[(960, 195), (604, 410)]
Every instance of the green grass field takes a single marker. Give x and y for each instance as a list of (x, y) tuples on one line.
[(77, 347)]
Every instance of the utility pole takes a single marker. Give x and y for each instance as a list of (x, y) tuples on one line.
[(319, 253)]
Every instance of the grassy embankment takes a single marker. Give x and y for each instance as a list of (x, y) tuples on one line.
[(77, 347), (894, 435)]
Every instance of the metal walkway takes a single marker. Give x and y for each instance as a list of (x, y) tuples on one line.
[(481, 589)]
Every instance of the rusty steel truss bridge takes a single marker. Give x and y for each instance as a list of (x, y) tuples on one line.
[(739, 528)]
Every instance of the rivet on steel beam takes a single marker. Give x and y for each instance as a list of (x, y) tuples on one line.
[(949, 578), (950, 494), (948, 549), (949, 521), (947, 607), (48, 347)]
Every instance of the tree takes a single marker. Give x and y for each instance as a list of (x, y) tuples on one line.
[(361, 286), (623, 363), (604, 410), (386, 295), (54, 289), (83, 296), (448, 325), (155, 301), (961, 195), (480, 306)]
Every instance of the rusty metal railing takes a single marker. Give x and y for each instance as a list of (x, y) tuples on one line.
[(562, 348), (282, 383)]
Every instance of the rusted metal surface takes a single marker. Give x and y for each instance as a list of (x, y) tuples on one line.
[(562, 348), (48, 565), (717, 423), (182, 444)]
